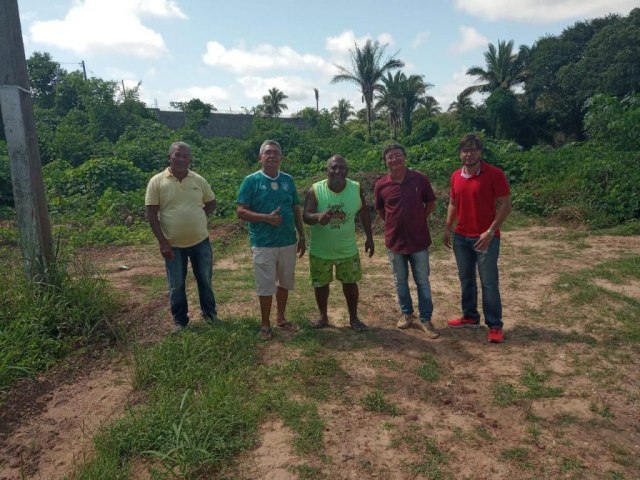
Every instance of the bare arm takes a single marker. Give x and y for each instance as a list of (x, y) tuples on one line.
[(151, 212), (429, 208), (452, 212), (365, 219), (503, 208), (274, 218), (311, 215), (297, 217), (209, 207)]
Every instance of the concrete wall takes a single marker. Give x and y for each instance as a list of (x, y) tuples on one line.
[(236, 125)]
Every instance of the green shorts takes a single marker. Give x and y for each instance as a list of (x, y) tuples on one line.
[(348, 270)]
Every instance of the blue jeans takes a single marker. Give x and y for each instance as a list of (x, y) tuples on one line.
[(419, 262), (487, 265), (201, 257)]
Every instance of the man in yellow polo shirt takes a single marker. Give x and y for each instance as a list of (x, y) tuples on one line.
[(330, 207), (177, 204)]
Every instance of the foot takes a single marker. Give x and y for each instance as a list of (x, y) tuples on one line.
[(358, 326), (288, 326), (266, 333), (179, 328), (495, 335), (429, 331), (464, 322), (319, 323), (405, 321)]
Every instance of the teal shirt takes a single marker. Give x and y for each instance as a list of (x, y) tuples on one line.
[(263, 194)]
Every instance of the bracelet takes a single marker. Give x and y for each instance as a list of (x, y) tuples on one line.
[(491, 232)]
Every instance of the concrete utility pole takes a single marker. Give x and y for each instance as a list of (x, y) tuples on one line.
[(22, 143)]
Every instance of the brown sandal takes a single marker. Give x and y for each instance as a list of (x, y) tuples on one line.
[(288, 326), (266, 333)]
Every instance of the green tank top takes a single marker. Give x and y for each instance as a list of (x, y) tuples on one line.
[(337, 239)]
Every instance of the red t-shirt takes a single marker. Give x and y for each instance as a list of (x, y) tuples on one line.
[(475, 199), (406, 229)]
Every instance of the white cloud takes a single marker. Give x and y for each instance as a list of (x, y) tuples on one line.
[(470, 40), (447, 93), (341, 44), (419, 39), (262, 57), (95, 26), (542, 11)]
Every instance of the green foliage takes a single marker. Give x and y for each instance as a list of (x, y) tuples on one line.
[(198, 414), (41, 321), (6, 191), (376, 402)]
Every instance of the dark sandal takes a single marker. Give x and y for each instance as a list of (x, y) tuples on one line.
[(266, 333), (319, 324), (358, 327), (288, 326)]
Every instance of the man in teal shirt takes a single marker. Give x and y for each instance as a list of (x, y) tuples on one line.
[(330, 208), (269, 202)]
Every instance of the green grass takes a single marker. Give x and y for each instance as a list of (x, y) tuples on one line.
[(432, 458), (429, 370), (42, 321), (376, 402), (532, 385), (201, 404)]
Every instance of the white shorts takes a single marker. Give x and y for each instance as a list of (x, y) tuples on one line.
[(274, 266)]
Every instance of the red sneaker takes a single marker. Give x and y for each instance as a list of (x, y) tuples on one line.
[(495, 335), (463, 322)]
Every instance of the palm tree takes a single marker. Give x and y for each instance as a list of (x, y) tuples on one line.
[(413, 91), (273, 102), (342, 111), (463, 103), (390, 99), (503, 69), (401, 95), (367, 69), (317, 92)]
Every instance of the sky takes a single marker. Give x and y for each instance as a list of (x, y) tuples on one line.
[(230, 53)]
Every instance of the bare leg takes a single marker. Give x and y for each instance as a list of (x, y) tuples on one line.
[(351, 294), (265, 309), (322, 299), (282, 295)]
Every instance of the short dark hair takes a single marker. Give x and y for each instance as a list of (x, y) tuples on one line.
[(393, 146), (471, 140)]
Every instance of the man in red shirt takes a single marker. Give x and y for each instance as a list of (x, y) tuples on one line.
[(404, 200), (480, 201)]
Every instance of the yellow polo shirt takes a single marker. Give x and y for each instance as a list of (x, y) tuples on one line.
[(181, 215)]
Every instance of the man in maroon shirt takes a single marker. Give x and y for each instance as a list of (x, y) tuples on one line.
[(404, 200), (480, 200)]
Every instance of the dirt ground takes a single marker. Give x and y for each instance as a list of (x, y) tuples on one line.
[(47, 423)]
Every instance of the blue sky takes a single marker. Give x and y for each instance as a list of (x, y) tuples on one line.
[(230, 53)]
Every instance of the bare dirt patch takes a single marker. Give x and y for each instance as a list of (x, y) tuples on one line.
[(450, 427)]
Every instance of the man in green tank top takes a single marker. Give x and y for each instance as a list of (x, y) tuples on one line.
[(330, 208)]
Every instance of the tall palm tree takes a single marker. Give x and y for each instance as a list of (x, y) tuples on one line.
[(390, 99), (503, 69), (273, 102), (413, 91), (401, 95), (463, 103), (317, 93), (342, 111), (368, 66)]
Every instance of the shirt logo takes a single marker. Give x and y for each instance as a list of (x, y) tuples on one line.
[(274, 186), (285, 187)]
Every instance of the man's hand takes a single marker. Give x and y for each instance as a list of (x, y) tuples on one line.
[(447, 238), (483, 242), (274, 218), (324, 217), (166, 250), (302, 247), (369, 246)]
